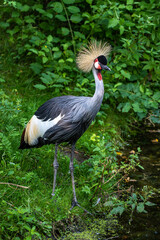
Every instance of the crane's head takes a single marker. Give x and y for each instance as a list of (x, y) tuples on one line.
[(101, 63), (93, 56)]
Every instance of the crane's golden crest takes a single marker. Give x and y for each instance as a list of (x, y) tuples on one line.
[(87, 55)]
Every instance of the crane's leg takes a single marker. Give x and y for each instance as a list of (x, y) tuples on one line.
[(71, 167), (55, 165)]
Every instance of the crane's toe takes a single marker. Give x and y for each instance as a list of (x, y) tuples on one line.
[(75, 203)]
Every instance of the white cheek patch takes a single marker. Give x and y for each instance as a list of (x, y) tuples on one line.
[(37, 127), (97, 66)]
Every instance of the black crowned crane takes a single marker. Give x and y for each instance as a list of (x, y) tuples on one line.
[(66, 118)]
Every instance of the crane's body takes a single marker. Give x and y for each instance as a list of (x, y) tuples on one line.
[(66, 118), (62, 119)]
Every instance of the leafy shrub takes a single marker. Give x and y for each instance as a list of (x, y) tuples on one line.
[(48, 34)]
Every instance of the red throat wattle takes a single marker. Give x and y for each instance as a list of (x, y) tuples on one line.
[(99, 76)]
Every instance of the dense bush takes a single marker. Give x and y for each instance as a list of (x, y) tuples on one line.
[(47, 35)]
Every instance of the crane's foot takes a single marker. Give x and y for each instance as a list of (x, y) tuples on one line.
[(75, 203), (52, 195), (54, 199)]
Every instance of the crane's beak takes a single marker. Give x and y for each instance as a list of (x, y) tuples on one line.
[(104, 67)]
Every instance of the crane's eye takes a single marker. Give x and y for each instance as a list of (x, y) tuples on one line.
[(97, 65)]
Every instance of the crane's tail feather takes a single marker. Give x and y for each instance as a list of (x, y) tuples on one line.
[(24, 145)]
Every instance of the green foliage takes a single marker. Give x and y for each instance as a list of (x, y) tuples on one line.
[(134, 202), (47, 35), (39, 42), (103, 169), (26, 177)]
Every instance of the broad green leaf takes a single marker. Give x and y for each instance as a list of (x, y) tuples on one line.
[(155, 119), (86, 14), (122, 6), (61, 18), (15, 14), (76, 18), (70, 60), (121, 28), (45, 49), (25, 8), (11, 172), (50, 38), (33, 50), (41, 53), (117, 84), (140, 207), (55, 49), (141, 88), (134, 196), (113, 22), (147, 66), (156, 96), (126, 74), (117, 75), (58, 86), (13, 31), (68, 1), (130, 2), (89, 1), (61, 80), (129, 7), (133, 206), (85, 80), (117, 210), (46, 79), (18, 5), (79, 35), (126, 107), (4, 24), (148, 92), (61, 61), (44, 59), (57, 6), (37, 6), (136, 56), (57, 54), (36, 67), (136, 107), (40, 86), (2, 80), (56, 40), (43, 12), (49, 15), (29, 19), (149, 203), (65, 31), (73, 9)]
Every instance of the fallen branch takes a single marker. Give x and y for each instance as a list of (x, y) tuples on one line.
[(13, 184), (113, 175), (130, 189), (111, 238), (119, 181)]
